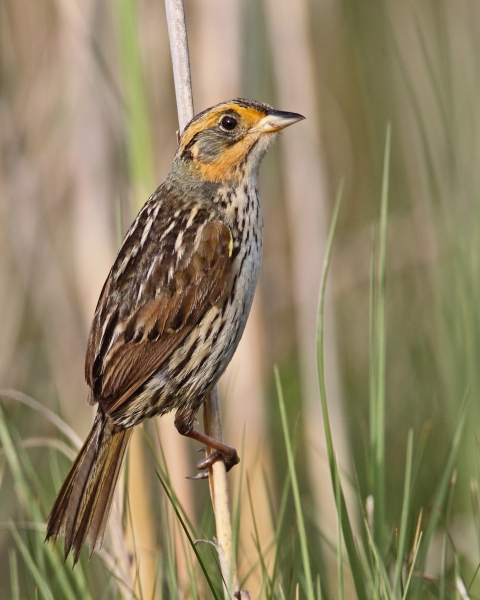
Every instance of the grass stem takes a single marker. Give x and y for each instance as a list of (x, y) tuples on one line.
[(350, 545)]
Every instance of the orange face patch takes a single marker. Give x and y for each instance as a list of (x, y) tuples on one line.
[(225, 167)]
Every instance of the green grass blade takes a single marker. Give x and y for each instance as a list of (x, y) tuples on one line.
[(163, 470), (412, 568), (355, 564), (29, 560), (320, 329), (474, 577), (14, 583), (187, 533), (279, 527), (448, 513), (404, 521), (56, 565), (475, 506), (319, 588), (23, 473), (373, 375), (382, 582), (377, 433), (11, 454), (46, 413), (237, 507), (460, 586), (341, 591), (442, 488), (296, 492), (170, 559), (369, 578)]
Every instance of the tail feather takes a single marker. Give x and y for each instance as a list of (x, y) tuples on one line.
[(83, 504)]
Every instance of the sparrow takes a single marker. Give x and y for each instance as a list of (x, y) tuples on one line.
[(174, 306)]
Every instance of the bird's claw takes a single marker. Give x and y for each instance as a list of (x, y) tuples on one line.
[(201, 475), (230, 460)]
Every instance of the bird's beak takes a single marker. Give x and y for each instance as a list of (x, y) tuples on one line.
[(276, 120)]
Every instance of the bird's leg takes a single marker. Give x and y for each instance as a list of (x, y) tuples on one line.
[(184, 425)]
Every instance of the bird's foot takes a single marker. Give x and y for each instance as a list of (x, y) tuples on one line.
[(221, 451), (230, 459)]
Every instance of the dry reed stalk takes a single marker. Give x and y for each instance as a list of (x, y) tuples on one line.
[(177, 33), (217, 479)]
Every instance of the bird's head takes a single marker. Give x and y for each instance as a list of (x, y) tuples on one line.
[(227, 142)]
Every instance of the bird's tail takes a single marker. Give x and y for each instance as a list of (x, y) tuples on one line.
[(83, 504)]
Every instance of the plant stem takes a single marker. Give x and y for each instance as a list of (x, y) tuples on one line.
[(217, 479), (177, 33)]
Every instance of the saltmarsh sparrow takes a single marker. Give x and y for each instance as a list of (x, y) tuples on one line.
[(174, 305)]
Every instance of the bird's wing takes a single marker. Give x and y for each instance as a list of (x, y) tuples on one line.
[(152, 300)]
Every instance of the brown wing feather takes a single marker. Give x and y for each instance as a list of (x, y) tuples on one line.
[(134, 333)]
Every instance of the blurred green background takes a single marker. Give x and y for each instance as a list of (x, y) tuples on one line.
[(87, 132)]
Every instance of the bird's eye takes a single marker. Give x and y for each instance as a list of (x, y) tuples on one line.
[(229, 123)]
